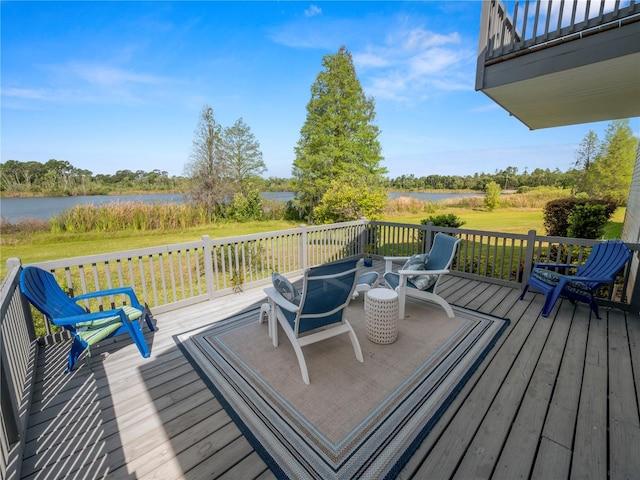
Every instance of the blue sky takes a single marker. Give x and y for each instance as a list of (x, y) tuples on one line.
[(109, 86)]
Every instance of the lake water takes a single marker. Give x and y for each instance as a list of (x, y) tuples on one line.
[(43, 208)]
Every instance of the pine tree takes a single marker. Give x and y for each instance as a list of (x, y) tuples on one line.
[(338, 141)]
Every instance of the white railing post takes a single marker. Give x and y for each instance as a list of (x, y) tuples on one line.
[(528, 256), (363, 237), (207, 255), (428, 237), (304, 241)]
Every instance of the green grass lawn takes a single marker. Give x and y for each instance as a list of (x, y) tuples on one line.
[(508, 220), (43, 246)]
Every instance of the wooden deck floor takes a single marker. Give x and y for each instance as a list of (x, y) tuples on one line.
[(557, 398)]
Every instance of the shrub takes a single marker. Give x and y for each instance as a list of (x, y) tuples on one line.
[(492, 197), (344, 202), (445, 220), (587, 221), (557, 212), (247, 207)]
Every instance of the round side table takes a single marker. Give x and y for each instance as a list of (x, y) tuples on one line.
[(381, 309)]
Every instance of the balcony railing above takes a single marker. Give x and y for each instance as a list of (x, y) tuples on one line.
[(519, 27)]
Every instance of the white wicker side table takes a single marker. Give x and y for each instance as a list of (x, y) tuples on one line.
[(381, 309)]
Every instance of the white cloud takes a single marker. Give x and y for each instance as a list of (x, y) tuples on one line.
[(419, 38), (413, 64), (369, 60), (90, 83), (396, 58), (312, 11), (109, 76), (24, 93)]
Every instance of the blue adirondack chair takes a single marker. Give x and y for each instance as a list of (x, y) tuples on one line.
[(318, 312), (604, 263), (43, 292)]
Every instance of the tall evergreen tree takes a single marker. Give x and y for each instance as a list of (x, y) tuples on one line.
[(610, 174), (338, 140)]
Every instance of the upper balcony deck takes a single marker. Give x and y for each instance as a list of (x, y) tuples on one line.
[(557, 62)]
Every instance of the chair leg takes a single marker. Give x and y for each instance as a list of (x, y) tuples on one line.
[(296, 348), (139, 340), (524, 291), (147, 318), (549, 301), (355, 342), (77, 347), (135, 331), (402, 297), (432, 297)]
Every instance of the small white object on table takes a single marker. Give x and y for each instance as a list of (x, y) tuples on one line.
[(381, 309)]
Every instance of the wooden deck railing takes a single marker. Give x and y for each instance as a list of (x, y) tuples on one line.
[(515, 27), (18, 355), (172, 276)]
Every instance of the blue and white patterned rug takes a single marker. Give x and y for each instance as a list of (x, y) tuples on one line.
[(355, 420)]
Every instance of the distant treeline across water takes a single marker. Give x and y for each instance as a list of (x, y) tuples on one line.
[(14, 210)]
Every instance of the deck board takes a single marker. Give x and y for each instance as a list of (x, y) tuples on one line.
[(590, 443), (554, 458), (536, 407), (624, 425)]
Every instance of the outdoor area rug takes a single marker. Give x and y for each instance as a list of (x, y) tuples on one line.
[(355, 419)]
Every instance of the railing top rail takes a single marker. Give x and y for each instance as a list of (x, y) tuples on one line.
[(115, 256), (510, 28), (256, 236)]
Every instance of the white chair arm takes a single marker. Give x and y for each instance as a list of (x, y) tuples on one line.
[(282, 302), (421, 272), (388, 262)]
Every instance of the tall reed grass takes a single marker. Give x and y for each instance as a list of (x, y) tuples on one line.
[(410, 205), (129, 215)]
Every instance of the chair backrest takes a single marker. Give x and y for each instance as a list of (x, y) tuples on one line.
[(44, 293), (442, 251), (605, 261), (326, 293)]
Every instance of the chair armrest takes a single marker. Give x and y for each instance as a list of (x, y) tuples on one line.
[(421, 272), (555, 265), (89, 317), (388, 262), (107, 293), (282, 302), (572, 278)]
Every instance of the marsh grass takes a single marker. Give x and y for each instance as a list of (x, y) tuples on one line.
[(136, 216)]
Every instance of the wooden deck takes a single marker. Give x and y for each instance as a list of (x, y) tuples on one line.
[(556, 398)]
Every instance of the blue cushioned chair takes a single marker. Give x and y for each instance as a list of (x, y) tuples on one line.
[(366, 282), (43, 292), (439, 260), (320, 313), (604, 263)]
